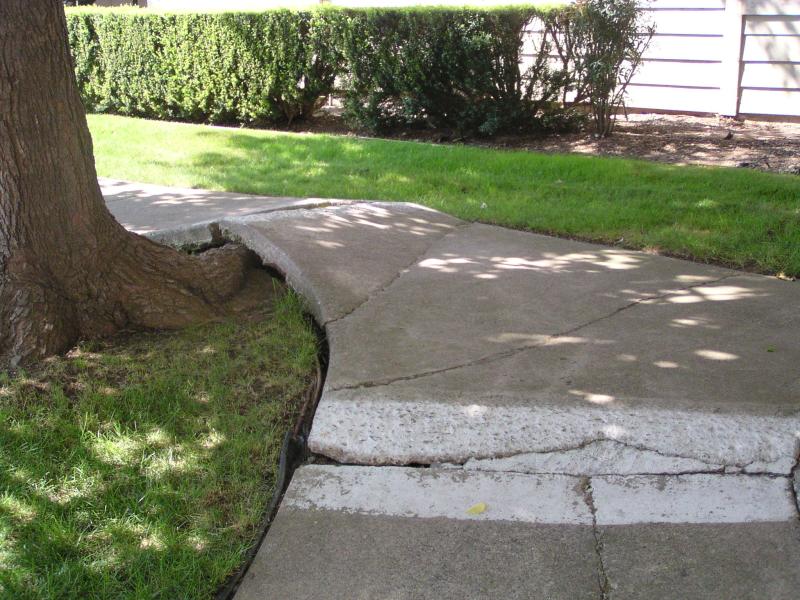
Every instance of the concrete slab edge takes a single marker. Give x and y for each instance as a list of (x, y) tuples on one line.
[(541, 499), (382, 431), (426, 493)]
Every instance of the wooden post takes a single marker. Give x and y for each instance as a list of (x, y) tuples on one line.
[(731, 67)]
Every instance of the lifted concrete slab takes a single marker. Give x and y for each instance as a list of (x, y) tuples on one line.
[(455, 342), (524, 346), (371, 427), (338, 256), (148, 208)]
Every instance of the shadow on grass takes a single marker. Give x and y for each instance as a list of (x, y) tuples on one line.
[(141, 467)]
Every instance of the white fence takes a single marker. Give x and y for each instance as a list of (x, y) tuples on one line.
[(722, 56)]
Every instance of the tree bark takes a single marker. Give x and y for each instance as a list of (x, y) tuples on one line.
[(68, 270)]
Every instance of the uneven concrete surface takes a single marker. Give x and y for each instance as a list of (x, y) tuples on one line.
[(583, 421), (148, 208)]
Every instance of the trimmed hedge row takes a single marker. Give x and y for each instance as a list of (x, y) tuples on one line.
[(453, 68), (248, 68)]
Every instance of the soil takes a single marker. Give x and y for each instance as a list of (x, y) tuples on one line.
[(677, 139)]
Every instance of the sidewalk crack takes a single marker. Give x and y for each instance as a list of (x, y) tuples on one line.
[(602, 576), (399, 274), (713, 468), (794, 483), (496, 356)]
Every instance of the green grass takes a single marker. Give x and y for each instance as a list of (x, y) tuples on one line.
[(140, 467), (737, 217)]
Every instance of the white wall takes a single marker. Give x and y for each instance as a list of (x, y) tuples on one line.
[(722, 56)]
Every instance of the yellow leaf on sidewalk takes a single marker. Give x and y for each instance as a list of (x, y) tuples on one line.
[(479, 508)]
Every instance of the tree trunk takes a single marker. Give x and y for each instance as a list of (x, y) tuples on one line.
[(67, 269)]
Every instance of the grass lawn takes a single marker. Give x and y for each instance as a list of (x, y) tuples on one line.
[(737, 217), (140, 467)]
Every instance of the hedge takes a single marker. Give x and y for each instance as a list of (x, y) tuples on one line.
[(453, 68), (247, 68)]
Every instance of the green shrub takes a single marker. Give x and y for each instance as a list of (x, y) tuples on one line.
[(455, 68), (245, 68), (600, 44), (452, 68)]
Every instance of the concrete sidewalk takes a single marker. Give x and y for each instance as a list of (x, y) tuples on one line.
[(515, 415)]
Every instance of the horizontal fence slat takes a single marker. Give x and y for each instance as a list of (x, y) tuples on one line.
[(687, 22), (669, 98), (771, 7), (770, 102), (777, 26), (697, 74), (771, 75), (771, 49), (687, 4), (676, 47)]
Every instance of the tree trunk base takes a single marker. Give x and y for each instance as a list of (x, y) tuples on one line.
[(147, 287)]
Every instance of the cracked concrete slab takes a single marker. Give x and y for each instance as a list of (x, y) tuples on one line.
[(667, 345), (375, 427), (452, 342), (601, 457), (488, 290), (330, 255)]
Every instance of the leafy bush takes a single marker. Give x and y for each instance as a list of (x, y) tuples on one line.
[(245, 68), (474, 71), (448, 68), (600, 44)]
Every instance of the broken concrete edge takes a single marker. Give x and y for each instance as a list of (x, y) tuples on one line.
[(549, 437), (796, 483), (215, 232), (219, 231), (554, 499), (188, 238)]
